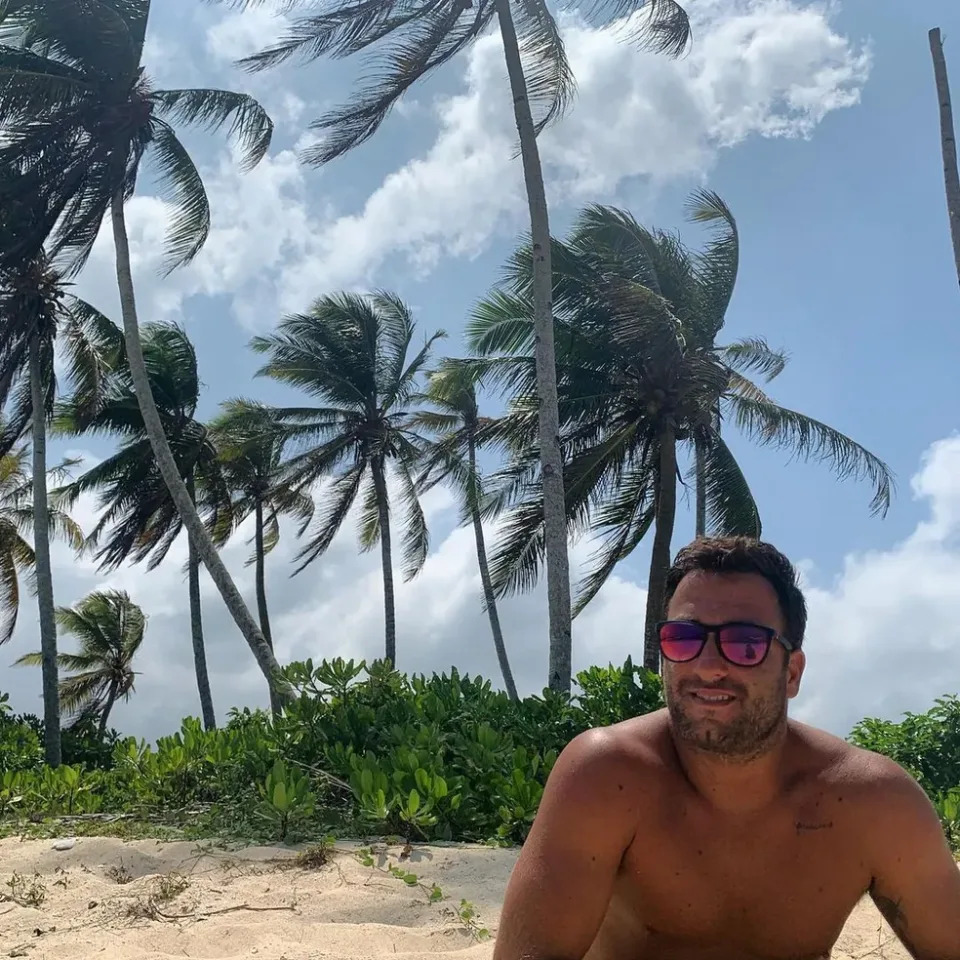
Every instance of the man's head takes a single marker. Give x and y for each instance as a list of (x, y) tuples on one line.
[(738, 580)]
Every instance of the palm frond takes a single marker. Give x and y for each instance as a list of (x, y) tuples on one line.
[(9, 587), (753, 354), (519, 550), (369, 520), (338, 500), (401, 391), (98, 35), (550, 82), (809, 439), (94, 347), (716, 266), (428, 40), (83, 691), (191, 209), (391, 339), (31, 84), (341, 29), (65, 528), (731, 509), (416, 537), (501, 323), (435, 421), (660, 26), (250, 124), (625, 520)]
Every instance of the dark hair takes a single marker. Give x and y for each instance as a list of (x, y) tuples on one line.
[(744, 555)]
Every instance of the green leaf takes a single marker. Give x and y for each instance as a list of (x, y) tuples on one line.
[(422, 779)]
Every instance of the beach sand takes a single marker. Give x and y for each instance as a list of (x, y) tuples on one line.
[(151, 900)]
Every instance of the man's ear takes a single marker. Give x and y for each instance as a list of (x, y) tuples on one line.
[(795, 665)]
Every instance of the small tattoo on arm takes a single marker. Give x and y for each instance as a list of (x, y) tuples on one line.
[(804, 827)]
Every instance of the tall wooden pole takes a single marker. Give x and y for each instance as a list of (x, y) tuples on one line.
[(948, 139)]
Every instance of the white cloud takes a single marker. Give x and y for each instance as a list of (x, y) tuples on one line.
[(882, 636), (758, 67), (261, 233), (240, 34), (771, 68)]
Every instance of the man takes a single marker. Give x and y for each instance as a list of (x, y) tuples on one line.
[(718, 829)]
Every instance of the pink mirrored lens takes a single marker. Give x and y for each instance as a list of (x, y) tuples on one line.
[(744, 646), (680, 641)]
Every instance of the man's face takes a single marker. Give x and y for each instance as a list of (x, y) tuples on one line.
[(744, 727)]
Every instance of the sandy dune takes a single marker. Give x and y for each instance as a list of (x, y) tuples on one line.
[(147, 900)]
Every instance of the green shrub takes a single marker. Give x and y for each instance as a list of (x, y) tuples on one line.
[(286, 798), (928, 746), (363, 749)]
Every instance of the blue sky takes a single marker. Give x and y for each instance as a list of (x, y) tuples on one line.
[(817, 123)]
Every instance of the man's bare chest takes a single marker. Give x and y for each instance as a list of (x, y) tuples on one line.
[(777, 886)]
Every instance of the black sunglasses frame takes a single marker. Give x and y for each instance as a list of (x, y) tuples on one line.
[(714, 629)]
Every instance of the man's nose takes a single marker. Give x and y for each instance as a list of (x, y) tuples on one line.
[(711, 665)]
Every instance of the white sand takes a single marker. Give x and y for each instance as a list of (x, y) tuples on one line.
[(250, 903)]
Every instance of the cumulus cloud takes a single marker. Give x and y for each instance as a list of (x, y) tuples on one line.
[(883, 635), (880, 636), (771, 68), (241, 33)]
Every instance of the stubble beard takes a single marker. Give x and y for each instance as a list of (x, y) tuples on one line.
[(751, 734)]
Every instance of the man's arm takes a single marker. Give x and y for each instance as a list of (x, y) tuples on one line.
[(561, 885), (916, 882)]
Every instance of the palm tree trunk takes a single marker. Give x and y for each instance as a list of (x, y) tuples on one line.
[(386, 554), (196, 627), (41, 542), (700, 454), (551, 458), (105, 713), (276, 703), (951, 173), (168, 467), (489, 599), (660, 555)]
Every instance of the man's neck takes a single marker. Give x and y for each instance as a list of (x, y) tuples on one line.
[(736, 784)]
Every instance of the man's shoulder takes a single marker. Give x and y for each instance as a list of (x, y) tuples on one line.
[(630, 747), (604, 775), (861, 775)]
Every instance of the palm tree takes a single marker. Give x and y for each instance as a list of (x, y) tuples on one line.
[(460, 432), (17, 557), (350, 352), (416, 37), (250, 448), (110, 627), (79, 115), (36, 312), (639, 376), (948, 142), (140, 519), (709, 277)]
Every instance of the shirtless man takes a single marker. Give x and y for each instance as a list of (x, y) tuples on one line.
[(718, 829)]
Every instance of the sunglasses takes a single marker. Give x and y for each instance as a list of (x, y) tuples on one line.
[(742, 644)]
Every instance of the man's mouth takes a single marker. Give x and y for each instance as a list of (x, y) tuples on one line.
[(712, 696)]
